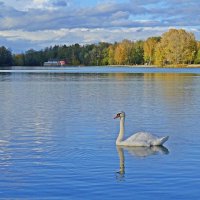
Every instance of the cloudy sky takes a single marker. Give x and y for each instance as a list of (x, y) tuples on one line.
[(36, 24)]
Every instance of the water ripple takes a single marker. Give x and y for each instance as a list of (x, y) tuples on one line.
[(57, 138)]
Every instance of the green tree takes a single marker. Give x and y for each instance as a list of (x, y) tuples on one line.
[(111, 54), (137, 54), (18, 59), (5, 57), (33, 58)]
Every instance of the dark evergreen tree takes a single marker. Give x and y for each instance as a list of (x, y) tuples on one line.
[(5, 57)]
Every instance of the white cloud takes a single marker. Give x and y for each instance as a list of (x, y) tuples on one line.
[(26, 5), (83, 36), (42, 23)]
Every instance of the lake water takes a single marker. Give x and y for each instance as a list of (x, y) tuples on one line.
[(57, 138)]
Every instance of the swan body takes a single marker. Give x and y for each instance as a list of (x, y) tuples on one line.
[(139, 139)]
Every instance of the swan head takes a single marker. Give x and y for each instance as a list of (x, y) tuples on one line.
[(120, 115)]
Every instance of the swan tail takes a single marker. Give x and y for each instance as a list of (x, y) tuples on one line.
[(160, 141)]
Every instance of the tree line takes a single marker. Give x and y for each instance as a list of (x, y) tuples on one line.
[(175, 47)]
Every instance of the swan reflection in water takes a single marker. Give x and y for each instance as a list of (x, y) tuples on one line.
[(138, 152)]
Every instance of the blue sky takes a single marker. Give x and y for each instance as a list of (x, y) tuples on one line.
[(36, 24)]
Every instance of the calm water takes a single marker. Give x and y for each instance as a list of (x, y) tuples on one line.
[(57, 138)]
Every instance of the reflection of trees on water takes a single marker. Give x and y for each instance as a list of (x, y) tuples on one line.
[(173, 88), (137, 152), (151, 94)]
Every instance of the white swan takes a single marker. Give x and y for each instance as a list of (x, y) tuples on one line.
[(137, 139)]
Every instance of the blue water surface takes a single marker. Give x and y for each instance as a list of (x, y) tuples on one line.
[(57, 137)]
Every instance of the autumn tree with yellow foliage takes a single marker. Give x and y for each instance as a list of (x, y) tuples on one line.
[(123, 51), (149, 49), (176, 47), (126, 52)]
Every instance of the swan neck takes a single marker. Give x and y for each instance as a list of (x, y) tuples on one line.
[(121, 131)]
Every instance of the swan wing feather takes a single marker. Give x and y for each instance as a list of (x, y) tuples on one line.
[(144, 139)]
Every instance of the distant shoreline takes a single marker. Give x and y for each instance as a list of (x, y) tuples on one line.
[(155, 66), (131, 66)]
